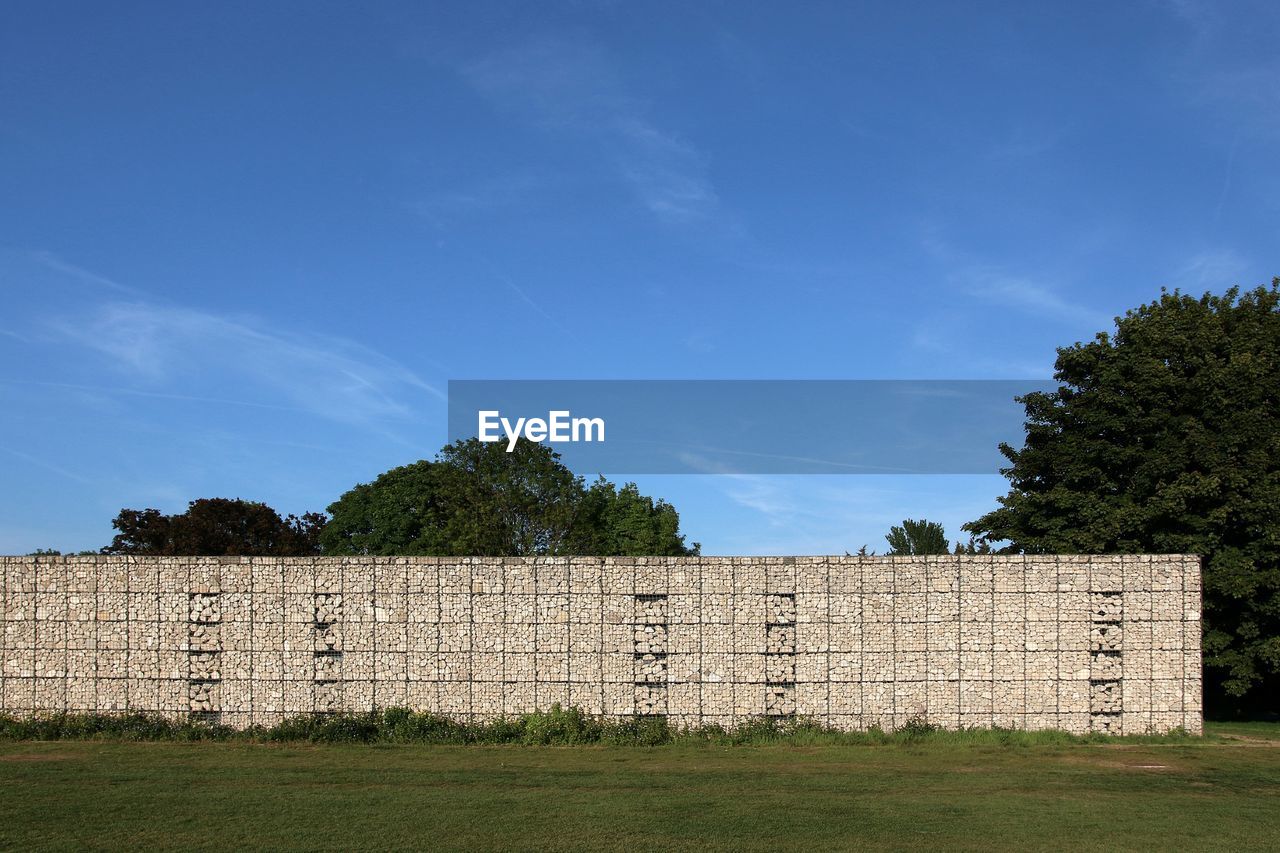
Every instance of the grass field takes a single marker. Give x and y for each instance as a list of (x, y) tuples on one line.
[(1220, 793)]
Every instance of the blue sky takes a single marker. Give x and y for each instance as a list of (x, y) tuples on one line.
[(243, 247)]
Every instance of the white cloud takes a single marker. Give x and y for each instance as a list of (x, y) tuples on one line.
[(1204, 19), (553, 81), (1229, 62), (49, 466), (570, 86), (831, 515), (994, 284), (174, 346), (482, 197), (716, 460), (166, 351), (1211, 269), (1032, 297), (666, 172), (81, 275)]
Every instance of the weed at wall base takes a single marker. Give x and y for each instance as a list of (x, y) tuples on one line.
[(555, 727)]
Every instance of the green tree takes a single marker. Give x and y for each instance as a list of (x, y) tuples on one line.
[(973, 546), (478, 499), (216, 527), (917, 537), (1165, 438), (622, 522)]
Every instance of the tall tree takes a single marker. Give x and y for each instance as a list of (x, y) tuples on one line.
[(972, 547), (917, 537), (478, 499), (1165, 438), (616, 521), (216, 527)]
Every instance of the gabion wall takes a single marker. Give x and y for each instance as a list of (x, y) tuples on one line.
[(1107, 644)]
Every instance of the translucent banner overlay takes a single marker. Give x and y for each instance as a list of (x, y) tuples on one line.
[(664, 426)]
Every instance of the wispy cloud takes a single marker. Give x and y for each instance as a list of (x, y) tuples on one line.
[(666, 172), (557, 82), (767, 498), (1255, 88), (114, 391), (1204, 19), (785, 502), (936, 336), (1025, 142), (829, 515), (52, 262), (571, 86), (1032, 297), (1226, 179), (151, 348), (48, 466), (41, 271), (332, 377), (994, 290), (510, 283), (444, 206), (717, 463), (1211, 269), (1227, 64)]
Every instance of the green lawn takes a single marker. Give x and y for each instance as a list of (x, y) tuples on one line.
[(1220, 793)]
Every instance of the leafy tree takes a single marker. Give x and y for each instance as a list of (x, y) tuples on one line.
[(917, 537), (1165, 438), (474, 499), (973, 546), (216, 527), (623, 522), (477, 499)]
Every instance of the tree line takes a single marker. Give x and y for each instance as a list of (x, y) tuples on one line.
[(473, 499)]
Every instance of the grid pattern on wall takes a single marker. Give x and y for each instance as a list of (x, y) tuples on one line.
[(1079, 643)]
